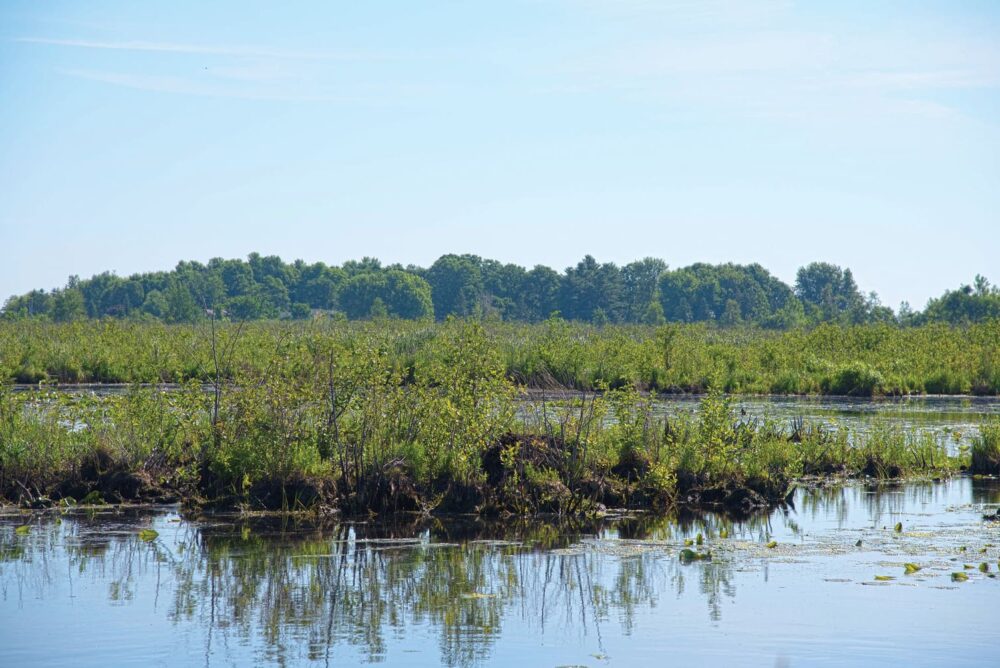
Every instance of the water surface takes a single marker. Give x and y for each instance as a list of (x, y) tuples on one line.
[(85, 589)]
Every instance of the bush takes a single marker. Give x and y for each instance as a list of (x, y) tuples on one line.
[(856, 379)]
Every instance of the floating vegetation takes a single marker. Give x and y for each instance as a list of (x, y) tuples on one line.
[(688, 555), (772, 544), (910, 569), (899, 527), (884, 578), (148, 535), (984, 567), (23, 530), (959, 577)]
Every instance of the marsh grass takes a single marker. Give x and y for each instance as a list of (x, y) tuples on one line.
[(397, 416), (865, 360), (986, 449)]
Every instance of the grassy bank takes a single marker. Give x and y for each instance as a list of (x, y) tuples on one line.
[(422, 419), (865, 360)]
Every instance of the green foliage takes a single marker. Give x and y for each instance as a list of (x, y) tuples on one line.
[(469, 286), (728, 292), (863, 360), (986, 449), (830, 293), (854, 379), (964, 305)]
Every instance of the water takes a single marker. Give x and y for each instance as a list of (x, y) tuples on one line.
[(84, 589), (953, 419)]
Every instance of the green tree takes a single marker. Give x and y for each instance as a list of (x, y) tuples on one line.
[(829, 293), (181, 306), (68, 305), (401, 294), (156, 304), (589, 287), (539, 296), (456, 285), (640, 287)]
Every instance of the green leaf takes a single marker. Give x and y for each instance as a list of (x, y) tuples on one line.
[(911, 568), (22, 530), (959, 577), (148, 535), (884, 578)]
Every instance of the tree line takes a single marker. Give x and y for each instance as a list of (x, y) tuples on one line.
[(645, 291)]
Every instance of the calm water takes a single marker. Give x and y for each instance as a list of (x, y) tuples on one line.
[(954, 419), (86, 590)]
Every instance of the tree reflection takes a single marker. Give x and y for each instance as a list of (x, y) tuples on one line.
[(289, 591)]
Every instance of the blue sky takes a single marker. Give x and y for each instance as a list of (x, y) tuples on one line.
[(134, 135)]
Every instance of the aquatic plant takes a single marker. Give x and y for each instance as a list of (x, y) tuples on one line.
[(986, 449)]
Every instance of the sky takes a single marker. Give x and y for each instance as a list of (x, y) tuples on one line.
[(134, 135)]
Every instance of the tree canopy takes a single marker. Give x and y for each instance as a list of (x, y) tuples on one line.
[(645, 291)]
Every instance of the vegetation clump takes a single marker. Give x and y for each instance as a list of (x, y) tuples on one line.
[(986, 449)]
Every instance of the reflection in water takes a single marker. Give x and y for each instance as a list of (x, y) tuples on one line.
[(287, 590), (294, 589)]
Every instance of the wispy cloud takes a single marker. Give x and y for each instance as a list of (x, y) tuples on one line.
[(248, 88), (204, 49)]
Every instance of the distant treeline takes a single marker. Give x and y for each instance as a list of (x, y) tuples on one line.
[(645, 291)]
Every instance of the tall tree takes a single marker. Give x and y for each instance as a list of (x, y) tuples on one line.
[(590, 287), (456, 285), (640, 287)]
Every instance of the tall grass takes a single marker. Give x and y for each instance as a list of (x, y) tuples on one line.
[(986, 449), (862, 360)]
